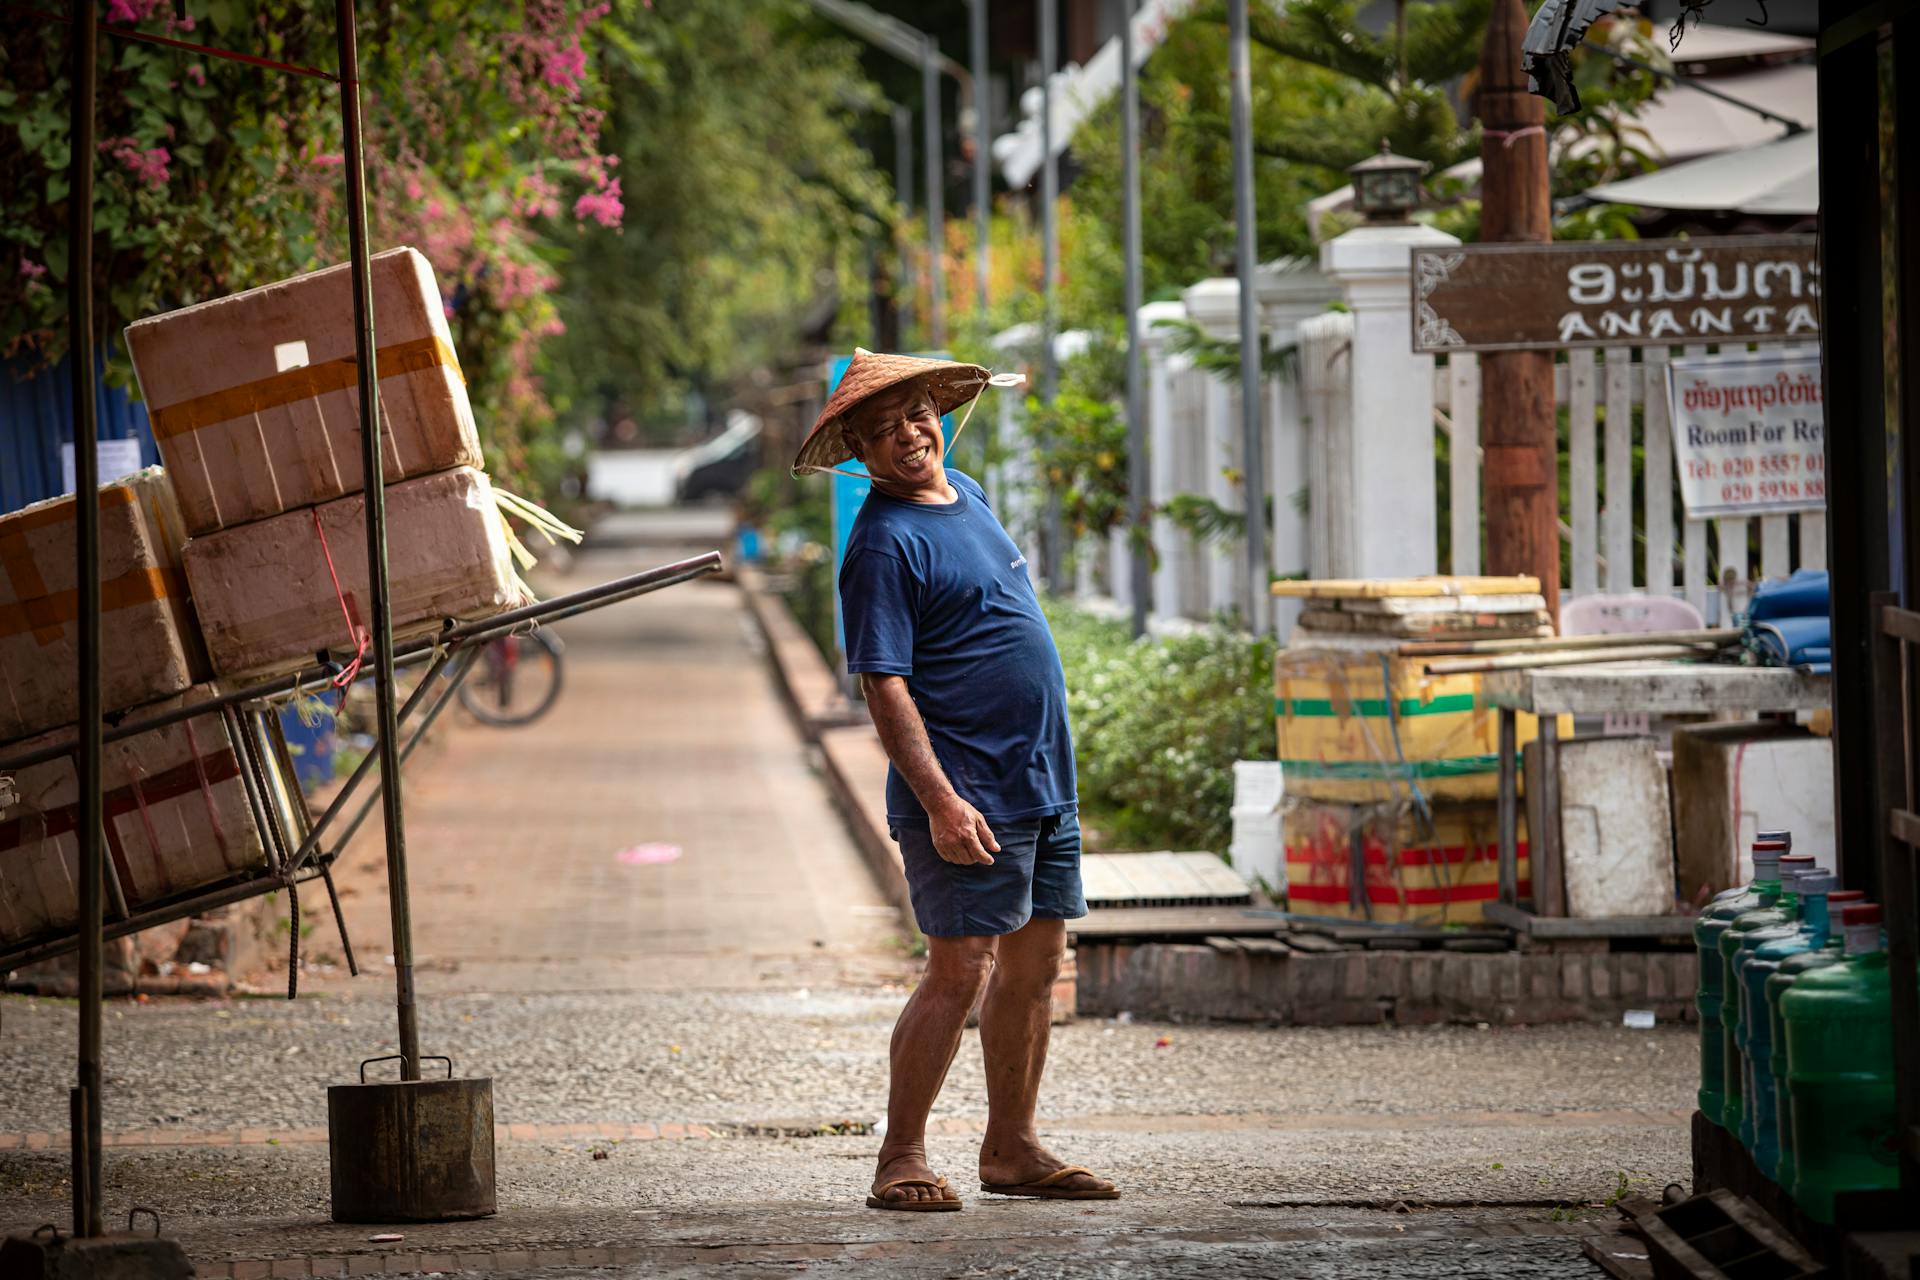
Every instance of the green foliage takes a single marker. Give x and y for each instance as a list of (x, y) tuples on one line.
[(480, 128), (740, 116), (1079, 441), (1157, 725)]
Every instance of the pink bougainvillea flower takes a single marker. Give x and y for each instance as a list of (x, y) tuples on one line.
[(328, 159), (130, 11), (149, 166), (566, 67), (603, 206), (196, 73), (31, 270)]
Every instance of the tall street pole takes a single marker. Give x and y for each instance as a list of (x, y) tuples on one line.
[(1054, 553), (903, 193), (936, 197), (1253, 462), (373, 483), (1139, 557), (84, 1103), (982, 152), (1519, 443)]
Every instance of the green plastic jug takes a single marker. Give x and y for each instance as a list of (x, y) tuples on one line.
[(1759, 1125), (1840, 1046), (1777, 986), (1772, 913), (1707, 930)]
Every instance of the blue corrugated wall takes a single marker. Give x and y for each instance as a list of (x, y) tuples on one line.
[(36, 418)]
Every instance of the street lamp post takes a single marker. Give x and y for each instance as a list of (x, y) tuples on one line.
[(1253, 453), (1053, 554), (903, 192), (936, 196), (1139, 563), (982, 158)]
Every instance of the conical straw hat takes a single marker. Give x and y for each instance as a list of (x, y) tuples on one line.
[(950, 384)]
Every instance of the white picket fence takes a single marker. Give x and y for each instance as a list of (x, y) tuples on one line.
[(1642, 541)]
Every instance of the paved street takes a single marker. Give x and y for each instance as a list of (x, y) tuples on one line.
[(689, 1056)]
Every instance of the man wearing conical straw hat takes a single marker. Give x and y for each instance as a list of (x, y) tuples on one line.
[(965, 686)]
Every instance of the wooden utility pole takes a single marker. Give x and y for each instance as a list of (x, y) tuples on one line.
[(1520, 446)]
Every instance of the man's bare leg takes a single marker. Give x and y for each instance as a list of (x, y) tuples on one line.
[(925, 1041), (1016, 1022)]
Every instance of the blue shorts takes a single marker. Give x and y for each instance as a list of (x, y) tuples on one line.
[(1035, 874)]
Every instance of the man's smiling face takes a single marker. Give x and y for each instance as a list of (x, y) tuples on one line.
[(897, 435)]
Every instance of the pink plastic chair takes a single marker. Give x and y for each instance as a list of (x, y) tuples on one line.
[(1627, 615)]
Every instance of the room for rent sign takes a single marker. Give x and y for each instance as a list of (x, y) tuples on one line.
[(1749, 433)]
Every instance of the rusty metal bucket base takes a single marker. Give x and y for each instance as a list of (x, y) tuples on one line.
[(108, 1257), (418, 1151)]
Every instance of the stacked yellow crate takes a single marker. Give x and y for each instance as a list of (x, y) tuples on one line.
[(1391, 773)]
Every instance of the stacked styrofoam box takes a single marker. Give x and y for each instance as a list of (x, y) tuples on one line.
[(150, 645), (255, 406), (255, 398), (177, 818)]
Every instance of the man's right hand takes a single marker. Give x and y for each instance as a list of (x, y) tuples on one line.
[(961, 834)]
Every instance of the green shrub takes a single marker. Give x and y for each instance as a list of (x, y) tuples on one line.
[(1157, 725)]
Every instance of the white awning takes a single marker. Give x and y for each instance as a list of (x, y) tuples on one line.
[(1776, 179)]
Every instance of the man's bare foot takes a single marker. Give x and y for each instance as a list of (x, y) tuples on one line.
[(1005, 1164), (909, 1162)]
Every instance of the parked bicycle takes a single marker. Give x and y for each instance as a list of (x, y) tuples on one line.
[(515, 681)]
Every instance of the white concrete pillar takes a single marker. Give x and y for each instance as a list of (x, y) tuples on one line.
[(1393, 511), (1162, 453), (1290, 291)]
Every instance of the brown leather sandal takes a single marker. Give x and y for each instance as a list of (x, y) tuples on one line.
[(941, 1205)]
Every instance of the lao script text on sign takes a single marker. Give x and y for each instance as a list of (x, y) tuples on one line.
[(1603, 293), (1748, 432)]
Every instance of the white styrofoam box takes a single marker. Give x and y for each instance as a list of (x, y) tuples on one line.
[(1616, 853), (266, 594), (1258, 849), (1257, 784), (255, 397), (177, 818), (1731, 780)]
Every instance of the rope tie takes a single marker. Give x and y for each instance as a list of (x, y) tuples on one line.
[(359, 634)]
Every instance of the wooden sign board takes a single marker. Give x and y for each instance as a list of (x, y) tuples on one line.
[(1611, 293)]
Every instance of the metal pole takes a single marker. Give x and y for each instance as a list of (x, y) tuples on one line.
[(1139, 559), (1053, 554), (1253, 463), (379, 619), (982, 151), (903, 192), (936, 198), (85, 1103)]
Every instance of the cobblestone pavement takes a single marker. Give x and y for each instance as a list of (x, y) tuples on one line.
[(689, 1059)]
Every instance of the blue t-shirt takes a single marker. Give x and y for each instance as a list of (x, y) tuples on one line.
[(940, 595)]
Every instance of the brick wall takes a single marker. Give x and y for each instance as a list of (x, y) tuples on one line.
[(1194, 982)]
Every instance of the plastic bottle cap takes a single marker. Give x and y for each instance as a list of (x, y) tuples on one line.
[(1861, 913), (1817, 881), (1798, 861), (1840, 897), (1778, 846)]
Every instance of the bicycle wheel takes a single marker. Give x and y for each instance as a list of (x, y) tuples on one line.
[(515, 682)]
